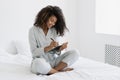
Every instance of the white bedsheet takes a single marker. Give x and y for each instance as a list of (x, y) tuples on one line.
[(84, 69)]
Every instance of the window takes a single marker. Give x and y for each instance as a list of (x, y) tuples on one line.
[(107, 17)]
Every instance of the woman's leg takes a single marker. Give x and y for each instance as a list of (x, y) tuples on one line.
[(66, 59), (40, 66), (52, 71), (60, 66)]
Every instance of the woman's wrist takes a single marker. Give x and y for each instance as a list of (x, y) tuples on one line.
[(46, 49)]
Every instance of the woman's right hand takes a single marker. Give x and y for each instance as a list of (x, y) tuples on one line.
[(53, 44)]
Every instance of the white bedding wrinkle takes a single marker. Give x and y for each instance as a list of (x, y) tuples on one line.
[(84, 69)]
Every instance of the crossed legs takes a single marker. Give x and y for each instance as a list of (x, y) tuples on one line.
[(64, 61), (39, 65)]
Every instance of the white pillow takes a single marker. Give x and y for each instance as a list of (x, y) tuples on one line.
[(22, 47), (4, 53), (5, 56), (11, 48)]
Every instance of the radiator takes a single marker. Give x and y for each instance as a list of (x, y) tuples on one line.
[(112, 54)]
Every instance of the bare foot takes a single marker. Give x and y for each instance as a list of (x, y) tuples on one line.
[(52, 71), (67, 69)]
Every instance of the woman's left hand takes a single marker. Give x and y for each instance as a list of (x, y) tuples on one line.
[(63, 46)]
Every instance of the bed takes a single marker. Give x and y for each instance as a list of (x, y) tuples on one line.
[(17, 67)]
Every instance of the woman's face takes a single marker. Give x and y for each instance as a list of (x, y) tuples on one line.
[(51, 21)]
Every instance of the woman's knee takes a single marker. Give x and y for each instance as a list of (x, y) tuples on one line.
[(71, 56), (39, 65), (74, 53)]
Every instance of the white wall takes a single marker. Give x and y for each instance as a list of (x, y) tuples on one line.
[(17, 16), (91, 44)]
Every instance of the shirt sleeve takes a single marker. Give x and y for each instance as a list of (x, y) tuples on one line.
[(36, 50)]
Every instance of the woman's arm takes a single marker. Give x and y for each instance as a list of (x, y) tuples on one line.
[(36, 50)]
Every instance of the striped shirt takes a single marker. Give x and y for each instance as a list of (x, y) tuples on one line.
[(38, 41)]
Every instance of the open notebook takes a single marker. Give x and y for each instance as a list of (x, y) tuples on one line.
[(54, 50)]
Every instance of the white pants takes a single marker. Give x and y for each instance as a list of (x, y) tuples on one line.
[(40, 65)]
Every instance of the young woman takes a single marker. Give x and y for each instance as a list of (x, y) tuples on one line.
[(49, 24)]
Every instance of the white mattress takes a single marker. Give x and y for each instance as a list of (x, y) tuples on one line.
[(18, 68)]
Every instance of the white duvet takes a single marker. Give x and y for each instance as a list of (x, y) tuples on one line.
[(17, 67)]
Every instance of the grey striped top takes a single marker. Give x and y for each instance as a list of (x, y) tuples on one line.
[(38, 41)]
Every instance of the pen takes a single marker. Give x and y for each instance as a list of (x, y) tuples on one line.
[(52, 39)]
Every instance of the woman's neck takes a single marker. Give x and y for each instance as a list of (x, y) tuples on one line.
[(45, 29)]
